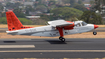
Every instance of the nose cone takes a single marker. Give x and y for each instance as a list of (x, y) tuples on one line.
[(95, 26)]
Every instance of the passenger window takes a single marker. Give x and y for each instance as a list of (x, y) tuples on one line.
[(79, 24)]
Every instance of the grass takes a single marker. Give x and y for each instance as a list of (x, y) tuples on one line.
[(3, 26), (101, 25)]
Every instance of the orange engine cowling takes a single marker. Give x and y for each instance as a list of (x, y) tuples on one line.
[(69, 27)]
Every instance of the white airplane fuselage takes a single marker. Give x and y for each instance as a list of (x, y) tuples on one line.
[(49, 31)]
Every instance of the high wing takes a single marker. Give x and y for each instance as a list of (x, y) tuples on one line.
[(59, 23)]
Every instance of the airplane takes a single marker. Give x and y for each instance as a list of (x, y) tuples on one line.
[(55, 28)]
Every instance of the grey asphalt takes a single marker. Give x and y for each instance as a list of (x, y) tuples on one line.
[(55, 47)]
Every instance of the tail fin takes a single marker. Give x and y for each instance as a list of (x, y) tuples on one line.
[(13, 22)]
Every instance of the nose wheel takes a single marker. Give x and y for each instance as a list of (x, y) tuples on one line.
[(94, 33), (62, 39)]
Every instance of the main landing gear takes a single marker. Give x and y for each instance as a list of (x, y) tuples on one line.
[(60, 29), (62, 39)]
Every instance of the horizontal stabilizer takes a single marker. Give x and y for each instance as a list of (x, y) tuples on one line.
[(12, 32)]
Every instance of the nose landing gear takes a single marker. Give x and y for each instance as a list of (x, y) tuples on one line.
[(94, 33), (62, 39)]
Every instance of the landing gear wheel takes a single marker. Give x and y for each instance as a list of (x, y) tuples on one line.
[(62, 39), (94, 33)]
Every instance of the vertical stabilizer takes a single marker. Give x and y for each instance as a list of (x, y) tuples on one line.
[(13, 22)]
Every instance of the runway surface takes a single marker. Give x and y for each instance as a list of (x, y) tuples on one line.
[(52, 48)]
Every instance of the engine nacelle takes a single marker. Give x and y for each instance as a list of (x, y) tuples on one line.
[(69, 27)]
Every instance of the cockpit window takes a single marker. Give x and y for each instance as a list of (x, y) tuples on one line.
[(77, 25), (84, 23)]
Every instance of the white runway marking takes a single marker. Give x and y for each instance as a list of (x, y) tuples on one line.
[(17, 46), (53, 51)]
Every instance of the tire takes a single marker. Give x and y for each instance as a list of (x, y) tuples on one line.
[(63, 40), (94, 33), (60, 38)]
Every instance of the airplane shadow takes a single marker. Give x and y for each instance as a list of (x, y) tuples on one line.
[(55, 42), (51, 41)]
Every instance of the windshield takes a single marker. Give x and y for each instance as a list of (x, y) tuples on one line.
[(84, 23)]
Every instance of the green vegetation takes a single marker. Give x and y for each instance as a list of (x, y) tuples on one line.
[(18, 12), (91, 17), (1, 7), (66, 12), (66, 1), (25, 21), (97, 5), (80, 7), (3, 20), (72, 2), (59, 9), (13, 5), (80, 2), (29, 8), (22, 20)]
